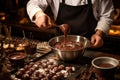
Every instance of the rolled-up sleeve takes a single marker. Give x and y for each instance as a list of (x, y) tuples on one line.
[(33, 6), (105, 14)]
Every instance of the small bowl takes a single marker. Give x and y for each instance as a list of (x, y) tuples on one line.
[(17, 56), (69, 55), (17, 59), (105, 62), (105, 67)]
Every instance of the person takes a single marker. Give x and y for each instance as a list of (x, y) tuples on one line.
[(89, 18)]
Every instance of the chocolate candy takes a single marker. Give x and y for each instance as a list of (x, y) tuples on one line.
[(44, 70)]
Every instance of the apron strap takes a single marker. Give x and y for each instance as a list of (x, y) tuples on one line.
[(63, 1), (89, 2)]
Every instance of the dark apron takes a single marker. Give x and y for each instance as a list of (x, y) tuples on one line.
[(80, 18)]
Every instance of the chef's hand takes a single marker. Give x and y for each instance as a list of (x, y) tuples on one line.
[(42, 20), (96, 39)]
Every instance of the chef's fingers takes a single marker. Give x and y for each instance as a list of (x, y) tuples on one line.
[(40, 22), (92, 41), (96, 41), (43, 21), (49, 23)]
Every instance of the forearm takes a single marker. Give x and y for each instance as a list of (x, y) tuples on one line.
[(35, 6), (105, 19), (100, 33), (104, 26)]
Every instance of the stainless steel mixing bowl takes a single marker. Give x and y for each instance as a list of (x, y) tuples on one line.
[(69, 55)]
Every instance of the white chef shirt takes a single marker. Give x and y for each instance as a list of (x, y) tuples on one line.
[(102, 10)]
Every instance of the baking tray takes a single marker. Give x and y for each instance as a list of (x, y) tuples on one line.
[(78, 69)]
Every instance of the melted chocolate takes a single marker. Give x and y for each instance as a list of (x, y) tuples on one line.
[(69, 46), (17, 56), (105, 65), (64, 28)]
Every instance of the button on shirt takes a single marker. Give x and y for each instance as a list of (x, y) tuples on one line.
[(102, 10)]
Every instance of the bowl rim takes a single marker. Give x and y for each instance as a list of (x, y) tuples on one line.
[(68, 35), (97, 58)]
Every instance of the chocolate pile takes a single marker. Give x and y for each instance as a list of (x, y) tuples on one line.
[(44, 70)]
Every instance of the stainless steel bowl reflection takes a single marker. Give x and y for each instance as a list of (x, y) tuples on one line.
[(69, 55)]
